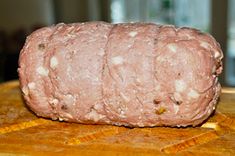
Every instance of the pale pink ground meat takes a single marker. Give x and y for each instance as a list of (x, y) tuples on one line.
[(138, 74)]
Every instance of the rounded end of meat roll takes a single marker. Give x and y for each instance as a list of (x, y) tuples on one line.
[(187, 68), (33, 74)]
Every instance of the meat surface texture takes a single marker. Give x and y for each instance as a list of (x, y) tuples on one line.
[(131, 74)]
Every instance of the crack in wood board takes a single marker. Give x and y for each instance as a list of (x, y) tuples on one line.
[(95, 135), (196, 140), (23, 125)]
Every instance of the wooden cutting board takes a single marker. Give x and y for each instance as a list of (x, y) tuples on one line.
[(22, 133)]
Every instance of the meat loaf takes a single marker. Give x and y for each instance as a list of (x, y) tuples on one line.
[(131, 74)]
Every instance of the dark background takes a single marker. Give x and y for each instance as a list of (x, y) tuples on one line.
[(18, 18)]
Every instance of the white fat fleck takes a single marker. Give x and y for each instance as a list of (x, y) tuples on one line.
[(204, 45), (193, 94), (93, 115), (133, 33), (180, 85), (69, 99), (217, 54), (25, 90), (140, 124), (54, 101), (176, 108), (213, 108), (31, 85), (157, 87), (122, 113), (172, 47), (98, 106), (53, 62), (42, 71), (117, 60), (61, 119)]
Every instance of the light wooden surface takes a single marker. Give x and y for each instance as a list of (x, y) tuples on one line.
[(22, 133)]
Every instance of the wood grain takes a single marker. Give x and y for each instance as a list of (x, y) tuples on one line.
[(22, 133)]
